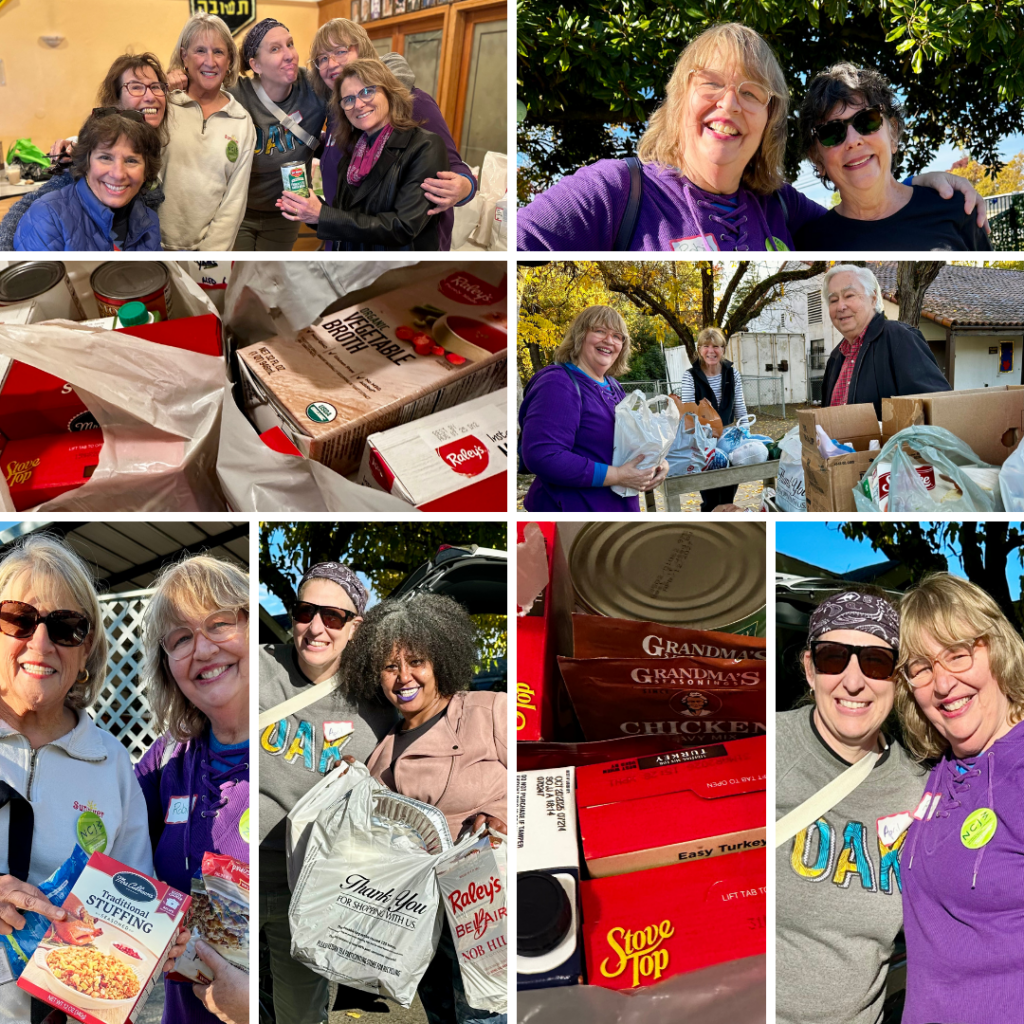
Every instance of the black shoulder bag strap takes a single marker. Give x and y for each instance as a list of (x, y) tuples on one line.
[(627, 226), (19, 831), (522, 467)]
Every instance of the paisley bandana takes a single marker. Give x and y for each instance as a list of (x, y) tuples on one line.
[(251, 45), (863, 612), (344, 577)]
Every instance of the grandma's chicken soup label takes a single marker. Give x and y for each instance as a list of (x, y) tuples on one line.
[(99, 964)]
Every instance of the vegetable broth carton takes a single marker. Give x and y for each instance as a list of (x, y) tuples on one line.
[(99, 965), (376, 365)]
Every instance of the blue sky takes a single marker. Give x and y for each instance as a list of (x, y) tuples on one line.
[(834, 552)]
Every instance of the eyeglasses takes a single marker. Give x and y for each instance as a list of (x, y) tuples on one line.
[(366, 93), (132, 115), (833, 133), (831, 657), (958, 657), (712, 86), (324, 59), (333, 618), (139, 88), (65, 628), (603, 332), (218, 627)]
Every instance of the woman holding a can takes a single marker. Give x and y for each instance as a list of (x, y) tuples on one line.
[(378, 203), (195, 778), (567, 422), (289, 114), (212, 139), (339, 42)]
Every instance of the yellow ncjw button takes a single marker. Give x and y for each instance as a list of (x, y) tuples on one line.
[(979, 828)]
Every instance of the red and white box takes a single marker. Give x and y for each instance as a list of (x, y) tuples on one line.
[(684, 806), (100, 965), (640, 929), (536, 670), (38, 469), (456, 460)]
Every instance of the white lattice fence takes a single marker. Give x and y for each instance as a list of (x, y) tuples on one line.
[(122, 708)]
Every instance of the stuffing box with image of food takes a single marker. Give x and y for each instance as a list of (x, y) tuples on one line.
[(99, 965)]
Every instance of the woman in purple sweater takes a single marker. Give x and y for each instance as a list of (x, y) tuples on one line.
[(712, 160), (962, 702), (196, 777), (567, 422), (339, 42)]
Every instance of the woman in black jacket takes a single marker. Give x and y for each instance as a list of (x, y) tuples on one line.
[(379, 204)]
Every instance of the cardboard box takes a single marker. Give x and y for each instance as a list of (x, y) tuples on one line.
[(536, 671), (135, 920), (447, 455), (829, 483), (360, 371), (38, 469), (675, 807), (644, 927), (989, 420), (595, 636)]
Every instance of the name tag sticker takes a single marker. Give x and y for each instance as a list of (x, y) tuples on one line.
[(695, 243), (177, 810), (334, 731), (892, 827)]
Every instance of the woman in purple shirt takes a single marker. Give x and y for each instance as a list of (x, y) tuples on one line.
[(961, 701), (567, 422)]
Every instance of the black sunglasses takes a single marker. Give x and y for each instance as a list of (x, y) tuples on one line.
[(332, 618), (132, 115), (65, 628), (831, 657), (865, 122)]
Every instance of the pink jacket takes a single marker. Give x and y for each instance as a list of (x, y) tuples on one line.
[(458, 766)]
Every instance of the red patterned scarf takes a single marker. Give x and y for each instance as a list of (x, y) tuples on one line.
[(365, 157)]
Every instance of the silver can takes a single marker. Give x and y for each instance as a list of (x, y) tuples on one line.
[(45, 285)]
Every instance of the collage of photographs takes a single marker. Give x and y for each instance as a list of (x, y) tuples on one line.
[(225, 390)]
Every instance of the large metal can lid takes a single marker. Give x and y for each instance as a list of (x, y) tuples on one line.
[(22, 281), (128, 280), (701, 576)]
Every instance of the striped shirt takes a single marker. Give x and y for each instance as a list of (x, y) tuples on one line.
[(686, 393)]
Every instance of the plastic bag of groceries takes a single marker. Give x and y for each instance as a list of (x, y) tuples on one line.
[(750, 453), (694, 451), (1011, 481), (739, 433), (789, 486), (928, 469), (643, 426), (472, 886), (365, 911)]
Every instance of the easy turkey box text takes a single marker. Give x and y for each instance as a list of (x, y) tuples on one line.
[(100, 964), (679, 806), (641, 928)]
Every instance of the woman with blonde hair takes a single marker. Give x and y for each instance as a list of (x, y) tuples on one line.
[(567, 422), (386, 156), (961, 701), (212, 140), (195, 778), (710, 166)]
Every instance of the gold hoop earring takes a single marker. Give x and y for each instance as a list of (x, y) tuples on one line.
[(83, 678)]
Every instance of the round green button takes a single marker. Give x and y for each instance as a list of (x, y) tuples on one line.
[(979, 828)]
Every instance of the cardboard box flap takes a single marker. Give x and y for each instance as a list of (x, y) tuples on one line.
[(851, 424)]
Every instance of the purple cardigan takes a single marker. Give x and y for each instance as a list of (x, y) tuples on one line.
[(582, 211), (426, 111), (216, 824), (567, 440), (963, 905)]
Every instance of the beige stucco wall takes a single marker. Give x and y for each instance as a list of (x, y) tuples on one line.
[(49, 92)]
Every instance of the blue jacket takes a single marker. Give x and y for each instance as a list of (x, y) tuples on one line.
[(74, 219)]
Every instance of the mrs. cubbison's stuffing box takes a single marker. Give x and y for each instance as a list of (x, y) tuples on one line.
[(373, 366), (441, 454)]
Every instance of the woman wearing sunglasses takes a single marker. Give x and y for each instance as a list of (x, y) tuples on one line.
[(385, 158), (196, 777), (851, 123), (299, 745), (66, 780), (712, 166), (838, 878), (961, 702)]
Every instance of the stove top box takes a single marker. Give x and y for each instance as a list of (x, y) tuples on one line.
[(39, 469)]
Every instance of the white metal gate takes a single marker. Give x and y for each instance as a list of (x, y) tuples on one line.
[(122, 708)]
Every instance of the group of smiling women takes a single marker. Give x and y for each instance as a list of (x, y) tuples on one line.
[(190, 159)]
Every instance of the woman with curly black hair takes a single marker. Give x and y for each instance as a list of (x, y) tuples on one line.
[(448, 750)]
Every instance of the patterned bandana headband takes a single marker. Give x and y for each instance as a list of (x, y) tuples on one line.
[(251, 45), (344, 577), (863, 612)]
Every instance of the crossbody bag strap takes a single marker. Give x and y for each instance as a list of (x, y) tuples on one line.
[(20, 824), (286, 119), (824, 800), (627, 226), (310, 695)]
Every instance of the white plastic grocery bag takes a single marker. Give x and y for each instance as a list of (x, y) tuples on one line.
[(1011, 481), (365, 911), (644, 427), (694, 450), (789, 487), (473, 895)]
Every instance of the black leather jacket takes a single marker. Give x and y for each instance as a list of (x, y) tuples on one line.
[(388, 210)]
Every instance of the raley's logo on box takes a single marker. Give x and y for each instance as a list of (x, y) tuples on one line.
[(20, 472), (470, 290), (466, 455), (641, 950)]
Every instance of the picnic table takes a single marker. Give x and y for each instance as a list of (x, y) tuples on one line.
[(671, 487)]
